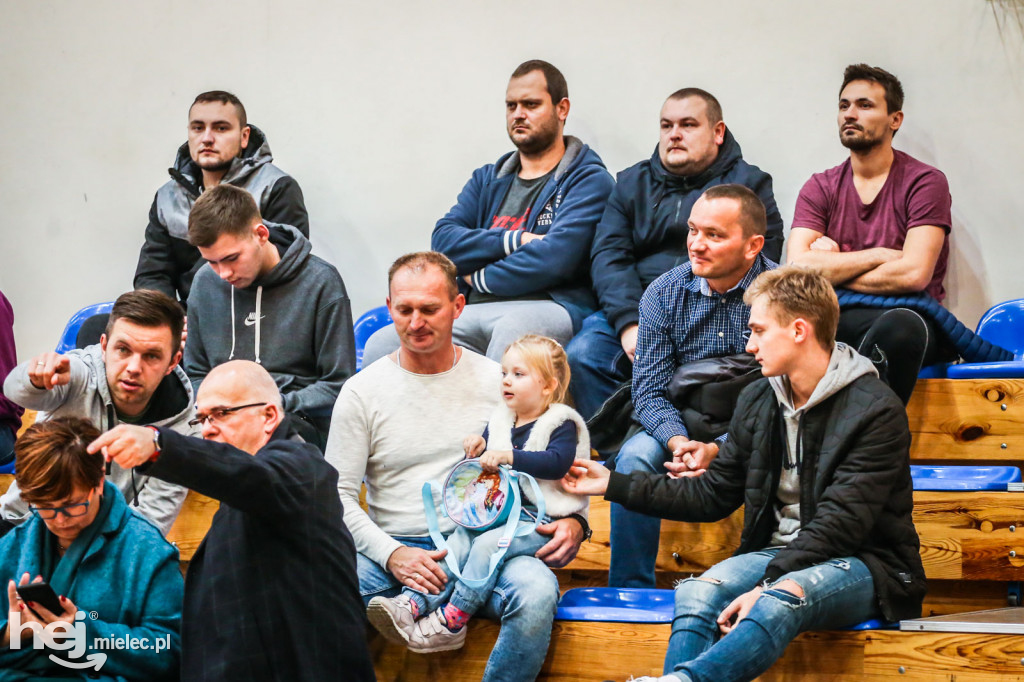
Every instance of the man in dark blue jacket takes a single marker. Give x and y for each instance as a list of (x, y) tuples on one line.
[(521, 230), (643, 233), (272, 592)]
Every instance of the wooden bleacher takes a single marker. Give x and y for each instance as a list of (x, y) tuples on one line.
[(966, 545)]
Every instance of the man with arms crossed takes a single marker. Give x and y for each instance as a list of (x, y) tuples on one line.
[(271, 593), (222, 147), (401, 422), (131, 376), (642, 234), (878, 224), (819, 457), (521, 229), (692, 312)]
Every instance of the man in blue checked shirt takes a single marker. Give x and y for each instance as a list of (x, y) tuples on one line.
[(692, 312)]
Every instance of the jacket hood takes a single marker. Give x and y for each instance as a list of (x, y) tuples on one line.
[(576, 153), (844, 367), (295, 251), (729, 153), (170, 406), (256, 154)]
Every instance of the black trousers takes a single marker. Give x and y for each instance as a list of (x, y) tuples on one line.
[(907, 340)]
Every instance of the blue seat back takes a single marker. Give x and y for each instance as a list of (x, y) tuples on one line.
[(365, 326), (1003, 325), (69, 337)]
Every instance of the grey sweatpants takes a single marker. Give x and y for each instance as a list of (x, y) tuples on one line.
[(489, 328)]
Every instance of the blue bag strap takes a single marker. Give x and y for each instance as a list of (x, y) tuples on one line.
[(512, 529), (432, 528)]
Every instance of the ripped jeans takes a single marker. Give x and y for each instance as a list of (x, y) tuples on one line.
[(837, 593)]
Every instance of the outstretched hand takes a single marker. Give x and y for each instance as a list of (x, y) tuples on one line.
[(586, 477), (126, 444), (49, 370)]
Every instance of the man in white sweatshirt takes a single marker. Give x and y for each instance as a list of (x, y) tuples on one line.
[(400, 422)]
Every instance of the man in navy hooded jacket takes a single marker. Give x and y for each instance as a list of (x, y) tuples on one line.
[(642, 234), (521, 230)]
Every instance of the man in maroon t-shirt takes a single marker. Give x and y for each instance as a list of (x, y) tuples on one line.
[(878, 224)]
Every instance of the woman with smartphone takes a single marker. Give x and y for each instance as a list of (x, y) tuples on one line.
[(95, 580)]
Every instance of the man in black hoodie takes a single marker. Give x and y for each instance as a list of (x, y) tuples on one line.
[(643, 234), (272, 592), (819, 457), (222, 147), (266, 298)]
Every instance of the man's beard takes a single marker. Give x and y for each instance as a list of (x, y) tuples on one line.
[(222, 166), (539, 141), (860, 143)]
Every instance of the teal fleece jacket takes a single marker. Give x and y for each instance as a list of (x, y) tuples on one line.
[(123, 572)]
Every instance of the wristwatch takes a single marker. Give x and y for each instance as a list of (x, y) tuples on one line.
[(157, 444), (587, 530)]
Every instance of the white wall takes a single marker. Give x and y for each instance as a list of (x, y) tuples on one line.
[(382, 110)]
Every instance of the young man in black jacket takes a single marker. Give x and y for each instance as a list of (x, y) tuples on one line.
[(818, 455), (272, 592)]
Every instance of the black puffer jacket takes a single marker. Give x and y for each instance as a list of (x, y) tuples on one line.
[(856, 494)]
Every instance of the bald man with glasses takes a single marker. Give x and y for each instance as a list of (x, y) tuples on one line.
[(272, 592)]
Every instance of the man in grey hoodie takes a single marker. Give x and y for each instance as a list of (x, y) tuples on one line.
[(819, 457), (266, 298), (131, 376)]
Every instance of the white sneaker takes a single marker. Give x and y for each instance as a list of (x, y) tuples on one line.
[(430, 634), (648, 678), (392, 617)]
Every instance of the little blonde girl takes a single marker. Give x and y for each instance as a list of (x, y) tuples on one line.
[(534, 433)]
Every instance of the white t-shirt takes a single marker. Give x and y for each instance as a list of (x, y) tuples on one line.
[(399, 429)]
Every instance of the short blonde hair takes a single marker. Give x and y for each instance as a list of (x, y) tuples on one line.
[(793, 291), (547, 358)]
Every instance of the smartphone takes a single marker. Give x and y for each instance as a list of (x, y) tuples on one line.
[(41, 593)]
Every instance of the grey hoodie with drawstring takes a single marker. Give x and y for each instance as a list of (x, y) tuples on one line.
[(844, 367), (87, 395), (295, 321)]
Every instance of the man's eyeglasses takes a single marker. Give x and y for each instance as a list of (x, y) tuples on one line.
[(218, 413), (69, 510)]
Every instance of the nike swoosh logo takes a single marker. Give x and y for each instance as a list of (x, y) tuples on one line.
[(249, 323)]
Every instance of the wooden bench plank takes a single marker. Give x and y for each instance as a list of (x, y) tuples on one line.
[(963, 536), (593, 651), (967, 419)]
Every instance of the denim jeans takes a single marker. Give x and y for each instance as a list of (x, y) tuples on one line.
[(837, 593), (524, 599), (635, 536), (598, 364), (7, 438)]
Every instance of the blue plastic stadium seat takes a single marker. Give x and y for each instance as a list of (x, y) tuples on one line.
[(632, 605), (365, 326), (616, 605), (7, 468), (963, 477), (936, 371), (69, 338), (1002, 325)]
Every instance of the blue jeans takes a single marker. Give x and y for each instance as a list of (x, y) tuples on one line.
[(837, 593), (635, 536), (7, 438), (524, 599), (598, 364)]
